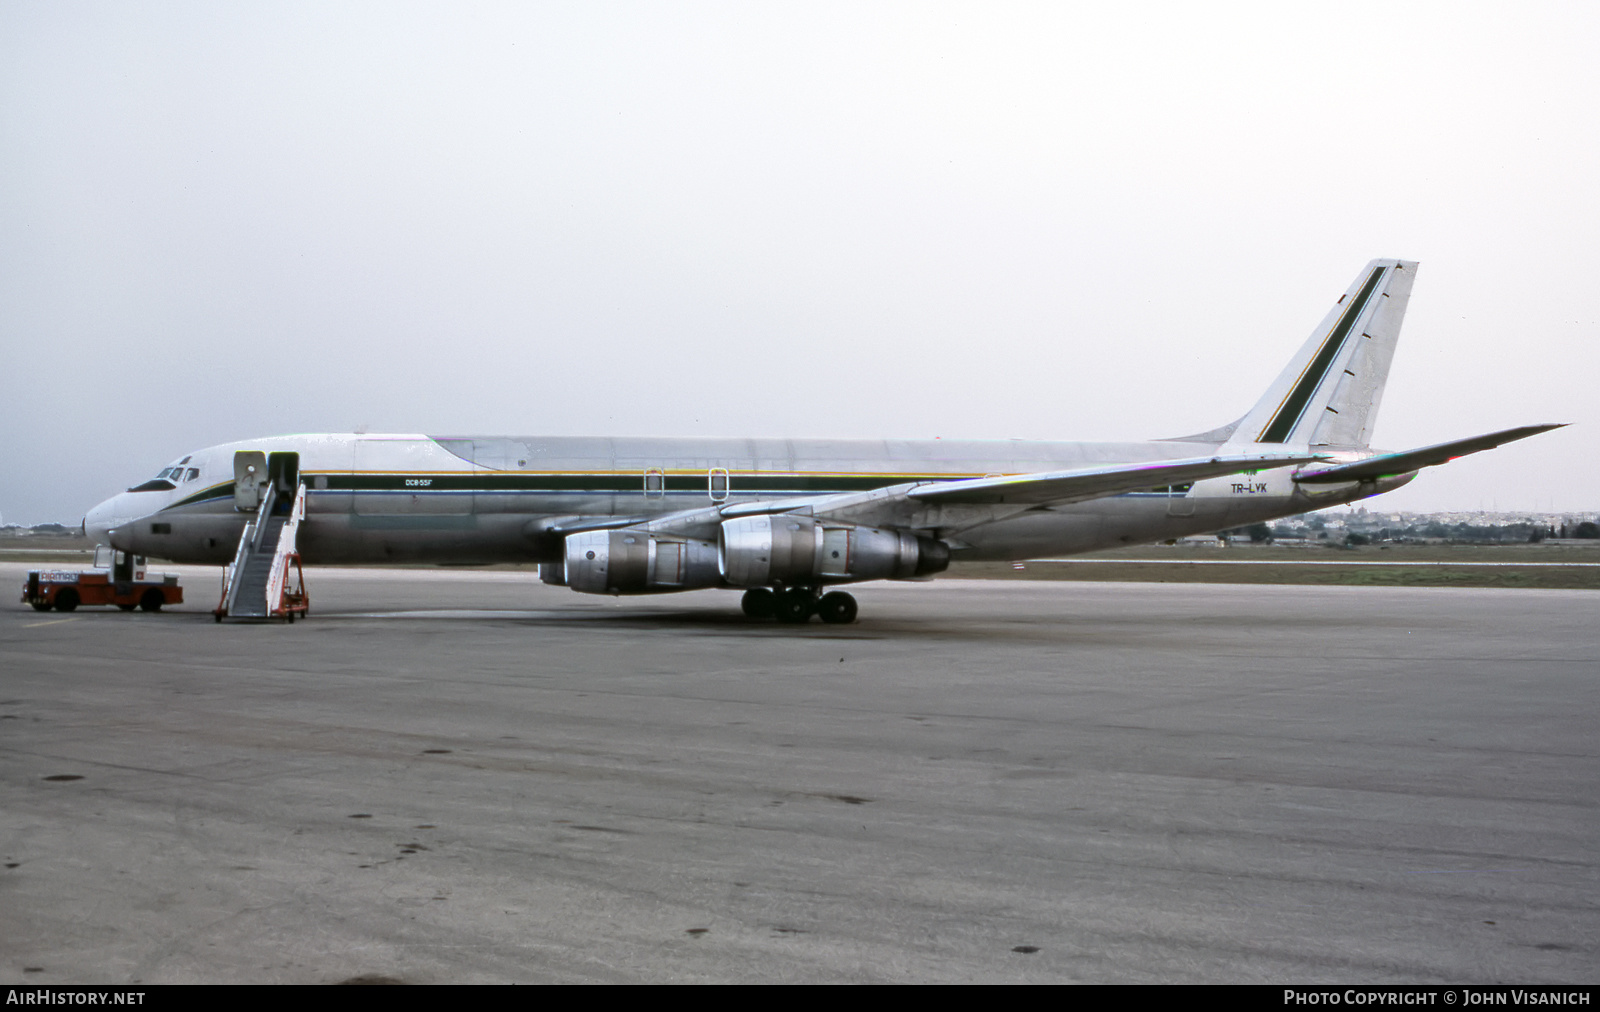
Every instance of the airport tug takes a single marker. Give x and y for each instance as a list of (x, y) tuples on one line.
[(117, 578)]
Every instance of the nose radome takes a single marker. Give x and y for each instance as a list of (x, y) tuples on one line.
[(99, 522), (95, 523)]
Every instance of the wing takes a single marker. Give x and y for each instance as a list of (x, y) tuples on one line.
[(961, 503), (1058, 488), (1390, 464), (958, 505)]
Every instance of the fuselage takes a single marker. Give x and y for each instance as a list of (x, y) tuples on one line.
[(475, 500)]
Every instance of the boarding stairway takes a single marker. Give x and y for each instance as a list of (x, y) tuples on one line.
[(259, 582)]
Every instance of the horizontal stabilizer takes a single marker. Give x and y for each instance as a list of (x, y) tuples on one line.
[(1062, 487), (1390, 464)]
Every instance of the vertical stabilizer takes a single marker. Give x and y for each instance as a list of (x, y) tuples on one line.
[(1329, 393)]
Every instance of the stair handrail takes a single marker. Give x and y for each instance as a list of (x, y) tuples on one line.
[(263, 512), (230, 585), (286, 547)]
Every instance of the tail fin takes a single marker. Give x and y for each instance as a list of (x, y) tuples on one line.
[(1328, 395)]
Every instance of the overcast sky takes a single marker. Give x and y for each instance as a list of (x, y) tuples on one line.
[(1052, 221)]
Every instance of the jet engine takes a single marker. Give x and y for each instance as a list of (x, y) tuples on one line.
[(797, 551), (633, 562)]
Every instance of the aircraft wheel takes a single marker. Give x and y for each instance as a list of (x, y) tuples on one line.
[(793, 605), (67, 600), (152, 600), (40, 605), (837, 608), (758, 603)]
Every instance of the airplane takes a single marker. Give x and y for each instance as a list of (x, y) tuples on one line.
[(786, 520)]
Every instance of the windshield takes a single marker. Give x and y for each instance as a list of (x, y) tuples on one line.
[(166, 481)]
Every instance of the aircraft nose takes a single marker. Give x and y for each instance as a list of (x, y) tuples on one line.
[(99, 522)]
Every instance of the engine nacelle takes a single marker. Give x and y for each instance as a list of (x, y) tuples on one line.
[(633, 562), (797, 550)]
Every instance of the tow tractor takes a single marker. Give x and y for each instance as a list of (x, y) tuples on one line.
[(117, 578)]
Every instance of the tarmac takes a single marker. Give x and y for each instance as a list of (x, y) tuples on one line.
[(458, 776)]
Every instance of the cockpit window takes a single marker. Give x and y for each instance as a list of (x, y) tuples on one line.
[(194, 472), (166, 481)]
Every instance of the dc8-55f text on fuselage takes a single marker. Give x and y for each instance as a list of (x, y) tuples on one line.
[(786, 519)]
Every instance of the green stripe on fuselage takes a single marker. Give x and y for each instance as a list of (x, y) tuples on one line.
[(618, 482), (223, 491)]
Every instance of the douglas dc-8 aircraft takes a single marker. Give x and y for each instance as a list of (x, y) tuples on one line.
[(783, 519)]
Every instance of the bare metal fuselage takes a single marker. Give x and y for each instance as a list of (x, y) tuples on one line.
[(481, 500)]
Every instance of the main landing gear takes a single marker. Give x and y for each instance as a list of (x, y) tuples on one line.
[(798, 604)]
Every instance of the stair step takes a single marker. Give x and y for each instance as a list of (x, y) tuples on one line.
[(254, 571)]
